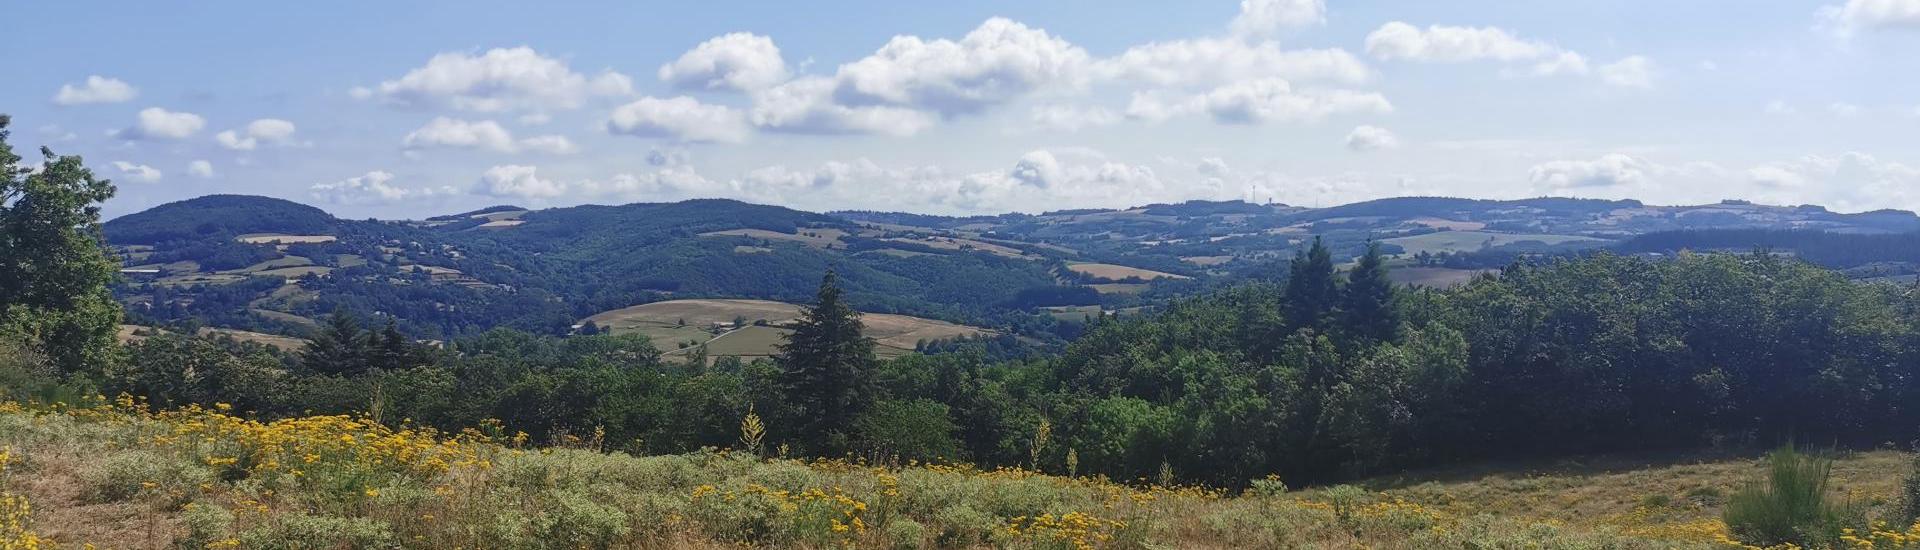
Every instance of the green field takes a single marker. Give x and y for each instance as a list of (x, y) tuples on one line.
[(1467, 241), (672, 322)]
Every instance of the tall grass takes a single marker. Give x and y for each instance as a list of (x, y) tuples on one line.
[(1791, 505)]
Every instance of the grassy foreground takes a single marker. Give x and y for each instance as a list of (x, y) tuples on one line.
[(119, 476)]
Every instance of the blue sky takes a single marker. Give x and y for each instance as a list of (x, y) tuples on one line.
[(409, 109)]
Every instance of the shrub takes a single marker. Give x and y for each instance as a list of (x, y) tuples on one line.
[(1789, 506), (1268, 487), (299, 531), (125, 474)]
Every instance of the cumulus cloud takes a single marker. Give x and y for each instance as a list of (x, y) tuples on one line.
[(371, 188), (513, 180), (1630, 72), (1259, 101), (96, 89), (807, 106), (1847, 181), (158, 123), (1609, 170), (1371, 138), (501, 79), (137, 172), (1000, 60), (737, 61), (1212, 61), (1871, 14), (266, 130), (485, 134), (682, 118), (1449, 44), (200, 169), (1441, 43), (1259, 17), (1843, 109)]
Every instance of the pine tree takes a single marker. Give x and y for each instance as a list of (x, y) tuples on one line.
[(825, 368), (1312, 289), (389, 348), (53, 269), (340, 348), (1367, 306)]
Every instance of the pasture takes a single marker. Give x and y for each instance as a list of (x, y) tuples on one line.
[(710, 322), (1120, 272), (1466, 241)]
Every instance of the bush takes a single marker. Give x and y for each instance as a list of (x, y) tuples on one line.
[(1790, 506), (124, 475), (1910, 494)]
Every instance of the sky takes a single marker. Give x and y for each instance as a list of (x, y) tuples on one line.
[(413, 109)]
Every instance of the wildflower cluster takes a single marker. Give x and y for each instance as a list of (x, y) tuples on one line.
[(1880, 536), (15, 514), (813, 513), (1076, 530)]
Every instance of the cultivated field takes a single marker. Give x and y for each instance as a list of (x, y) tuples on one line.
[(135, 333), (671, 322), (274, 238), (1457, 241), (960, 244), (1206, 261), (816, 238), (1120, 272)]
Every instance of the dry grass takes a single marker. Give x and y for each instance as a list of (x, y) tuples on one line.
[(663, 321), (365, 486), (816, 238)]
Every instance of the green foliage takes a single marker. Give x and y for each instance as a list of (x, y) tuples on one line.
[(218, 217), (1909, 501), (1312, 288), (1791, 505), (54, 270), (914, 429), (825, 365)]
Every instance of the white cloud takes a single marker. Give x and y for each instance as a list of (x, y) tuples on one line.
[(200, 169), (1778, 107), (1629, 72), (738, 61), (484, 134), (97, 89), (1212, 166), (807, 106), (1613, 169), (1847, 181), (1072, 118), (1211, 62), (519, 181), (501, 79), (1843, 109), (1564, 63), (1259, 17), (535, 119), (371, 188), (158, 123), (137, 172), (269, 130), (1872, 14), (551, 144), (456, 133), (1371, 138), (1440, 43), (995, 63), (1259, 101), (682, 118)]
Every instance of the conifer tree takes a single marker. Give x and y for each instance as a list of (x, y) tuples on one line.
[(1312, 289), (1366, 307), (340, 348), (389, 348), (825, 368)]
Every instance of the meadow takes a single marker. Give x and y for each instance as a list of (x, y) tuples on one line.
[(118, 475), (709, 322)]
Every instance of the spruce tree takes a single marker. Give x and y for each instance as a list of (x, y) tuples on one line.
[(825, 368), (1366, 309), (389, 348), (340, 348), (54, 270), (1312, 289)]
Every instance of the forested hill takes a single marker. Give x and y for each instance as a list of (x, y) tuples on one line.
[(218, 217)]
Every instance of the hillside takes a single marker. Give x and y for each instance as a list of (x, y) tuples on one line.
[(268, 265), (91, 476), (727, 328)]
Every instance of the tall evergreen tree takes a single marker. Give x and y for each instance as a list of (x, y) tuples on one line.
[(825, 368), (389, 348), (1366, 307), (1312, 288), (54, 270), (340, 348)]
